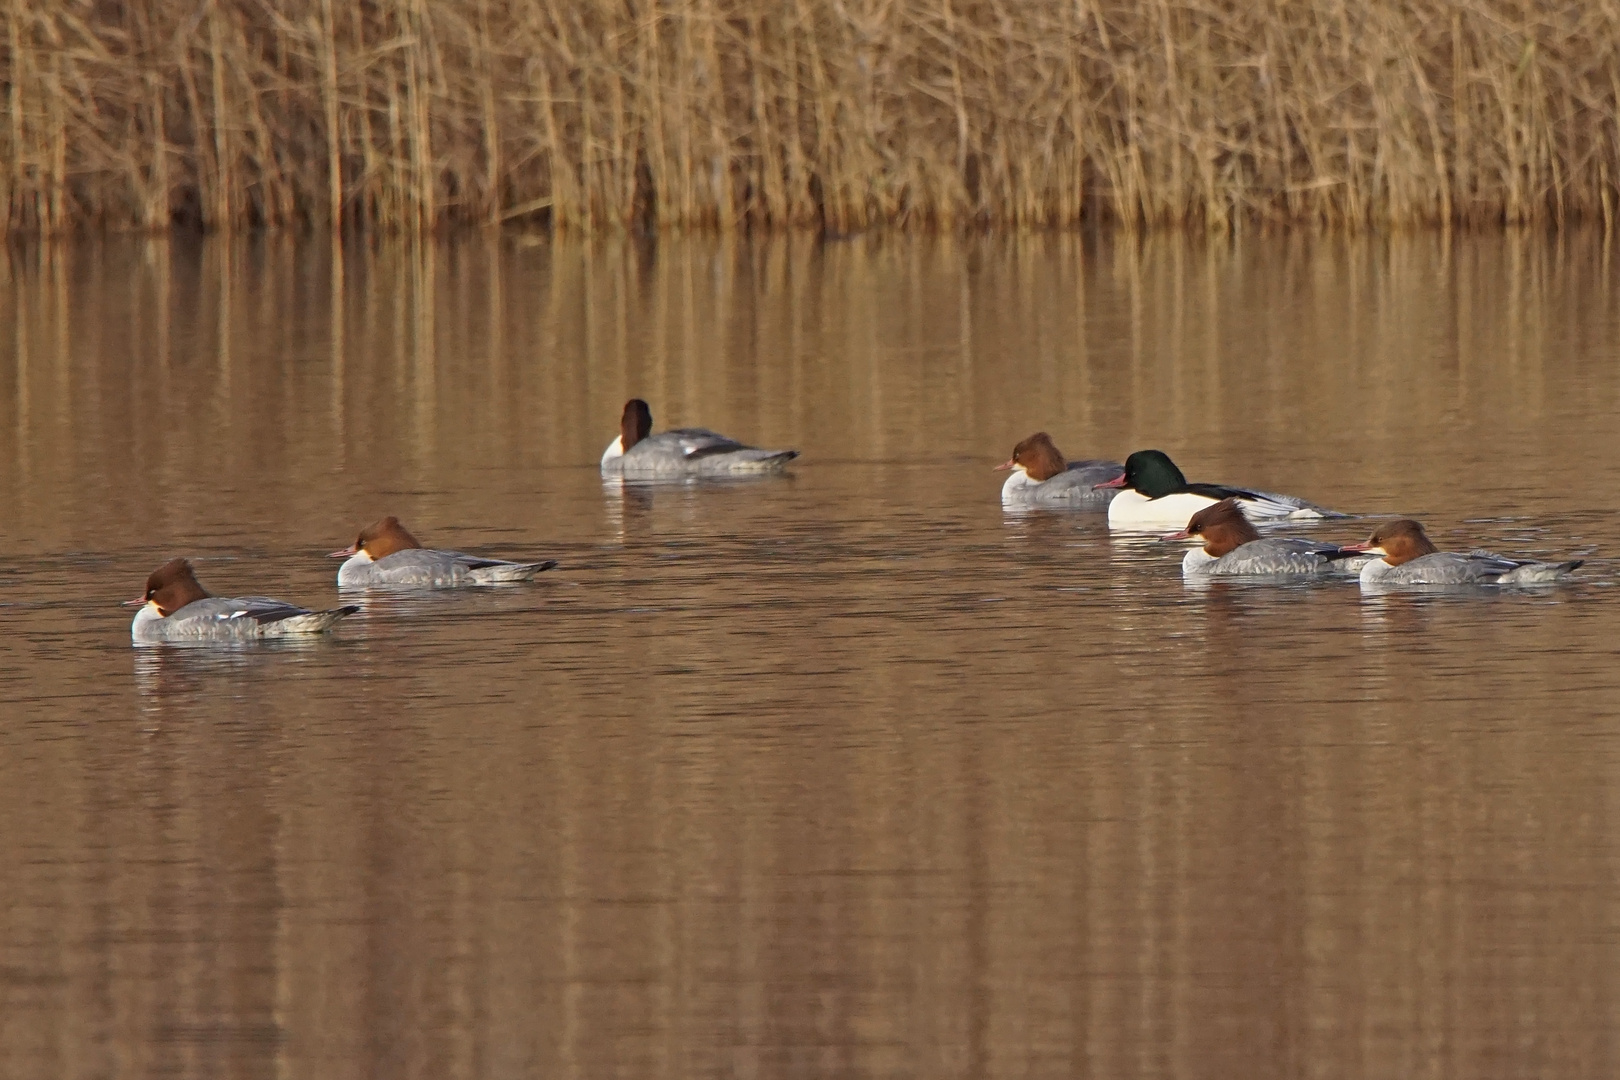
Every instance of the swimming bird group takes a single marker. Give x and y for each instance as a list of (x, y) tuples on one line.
[(175, 606), (1146, 492)]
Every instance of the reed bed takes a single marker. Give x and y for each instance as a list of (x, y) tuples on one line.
[(411, 115)]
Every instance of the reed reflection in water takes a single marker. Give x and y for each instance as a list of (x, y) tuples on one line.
[(849, 773)]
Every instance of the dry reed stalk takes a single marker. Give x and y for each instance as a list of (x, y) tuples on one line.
[(590, 114)]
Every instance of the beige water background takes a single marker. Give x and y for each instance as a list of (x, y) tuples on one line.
[(846, 774)]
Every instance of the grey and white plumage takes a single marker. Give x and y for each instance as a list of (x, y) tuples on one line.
[(1472, 568), (1408, 557), (386, 554), (1233, 547), (175, 607), (1274, 556), (638, 454), (691, 452), (1040, 476), (428, 568), (241, 618), (1076, 487)]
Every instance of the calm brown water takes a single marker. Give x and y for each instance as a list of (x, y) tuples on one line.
[(844, 774)]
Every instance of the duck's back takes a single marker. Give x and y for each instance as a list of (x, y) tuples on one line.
[(1074, 486), (220, 618), (698, 452), (1277, 555), (1439, 568), (429, 568), (1474, 568)]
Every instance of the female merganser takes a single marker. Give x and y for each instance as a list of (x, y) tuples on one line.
[(176, 608), (1157, 495), (1410, 558), (385, 554), (1232, 545), (639, 454), (1040, 477)]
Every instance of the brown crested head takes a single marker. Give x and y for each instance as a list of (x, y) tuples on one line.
[(381, 539), (1402, 540), (636, 423), (1039, 456), (1223, 528), (172, 586)]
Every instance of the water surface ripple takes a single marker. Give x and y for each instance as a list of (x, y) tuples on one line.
[(847, 773)]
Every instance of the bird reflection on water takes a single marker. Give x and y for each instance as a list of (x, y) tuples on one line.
[(843, 772)]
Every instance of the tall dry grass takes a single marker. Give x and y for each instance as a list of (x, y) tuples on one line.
[(411, 114)]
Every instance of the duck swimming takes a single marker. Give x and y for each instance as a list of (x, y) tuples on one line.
[(1409, 557), (637, 454), (175, 607), (385, 554), (1156, 495), (1233, 546), (1040, 477)]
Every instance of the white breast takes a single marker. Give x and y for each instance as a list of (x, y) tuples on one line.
[(1133, 510), (1196, 561), (142, 627), (1017, 484), (1375, 570), (353, 569), (614, 450)]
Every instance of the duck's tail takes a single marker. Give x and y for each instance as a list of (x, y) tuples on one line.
[(316, 622), (1539, 573), (760, 461), (505, 573)]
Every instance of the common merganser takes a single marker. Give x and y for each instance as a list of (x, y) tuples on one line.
[(1157, 495), (1233, 546), (1410, 558), (682, 452), (385, 554), (176, 608), (1040, 477)]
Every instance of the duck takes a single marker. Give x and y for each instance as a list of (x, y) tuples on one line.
[(1409, 557), (1040, 477), (175, 607), (1155, 494), (682, 452), (1232, 546), (386, 554)]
